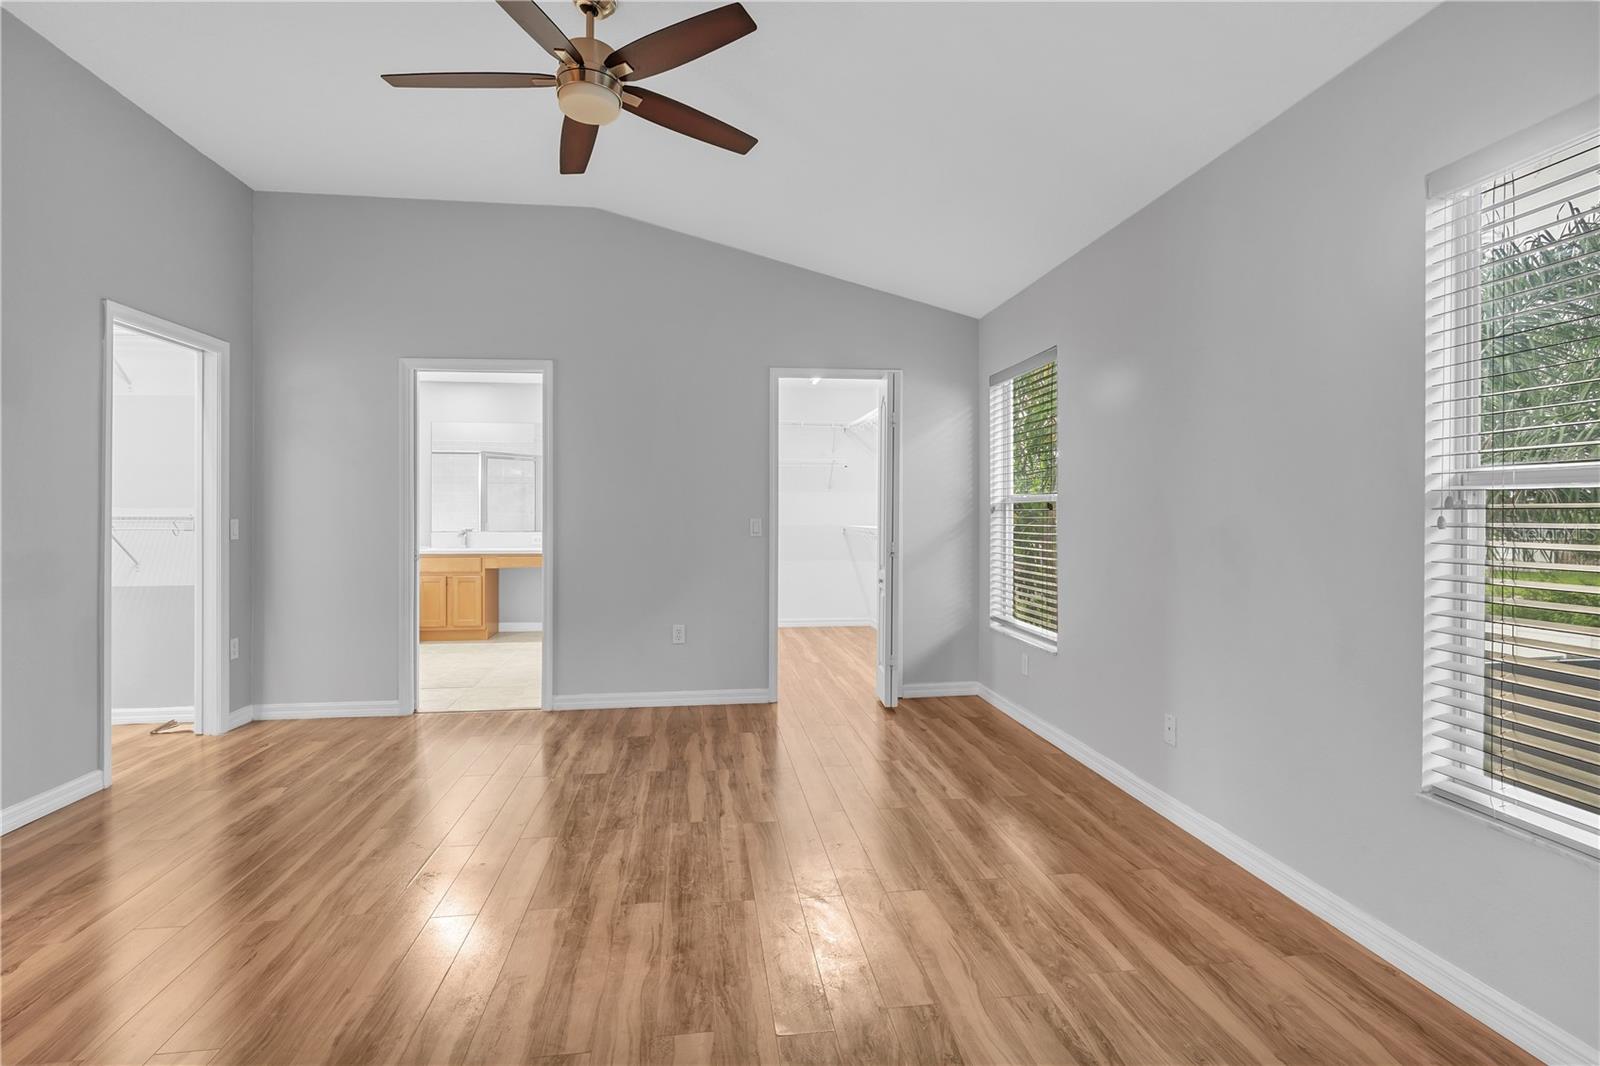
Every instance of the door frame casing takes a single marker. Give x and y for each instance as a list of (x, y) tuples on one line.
[(896, 505), (410, 367), (212, 662)]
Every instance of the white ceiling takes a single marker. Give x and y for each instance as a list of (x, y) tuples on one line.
[(949, 152)]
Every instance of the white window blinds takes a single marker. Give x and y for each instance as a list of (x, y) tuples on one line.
[(1512, 563), (1022, 498)]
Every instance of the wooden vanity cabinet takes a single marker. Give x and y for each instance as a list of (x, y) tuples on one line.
[(458, 596), (432, 598)]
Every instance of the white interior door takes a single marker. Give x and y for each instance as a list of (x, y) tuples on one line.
[(888, 679)]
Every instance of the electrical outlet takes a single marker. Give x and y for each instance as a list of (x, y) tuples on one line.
[(1169, 731), (678, 634), (233, 529), (1024, 665), (233, 648), (755, 527)]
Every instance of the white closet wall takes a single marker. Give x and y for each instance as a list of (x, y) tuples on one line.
[(154, 556), (827, 502)]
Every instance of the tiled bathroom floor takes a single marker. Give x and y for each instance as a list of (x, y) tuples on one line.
[(499, 674)]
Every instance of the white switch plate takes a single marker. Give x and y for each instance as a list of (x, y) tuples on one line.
[(233, 529), (1024, 665), (1170, 730), (233, 648), (755, 527), (678, 634)]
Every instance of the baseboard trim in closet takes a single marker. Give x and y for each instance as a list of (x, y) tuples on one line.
[(274, 712), (150, 715), (828, 623)]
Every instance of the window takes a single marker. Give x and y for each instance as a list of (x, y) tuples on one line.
[(454, 491), (480, 491), (509, 496), (1022, 499), (1512, 565)]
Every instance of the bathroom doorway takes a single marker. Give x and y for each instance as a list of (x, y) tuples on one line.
[(477, 526)]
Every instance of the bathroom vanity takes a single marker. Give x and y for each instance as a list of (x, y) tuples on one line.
[(458, 594)]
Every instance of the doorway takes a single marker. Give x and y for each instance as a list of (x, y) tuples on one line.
[(833, 573), (476, 599), (164, 650)]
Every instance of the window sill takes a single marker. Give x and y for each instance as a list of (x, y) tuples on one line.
[(1561, 846), (1033, 640)]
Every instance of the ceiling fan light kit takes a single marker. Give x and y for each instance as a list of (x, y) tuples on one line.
[(590, 96), (594, 84)]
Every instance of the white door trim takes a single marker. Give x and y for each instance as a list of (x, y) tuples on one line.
[(211, 521), (408, 620), (892, 441)]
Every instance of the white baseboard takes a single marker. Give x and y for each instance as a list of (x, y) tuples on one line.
[(240, 716), (275, 712), (595, 701), (1534, 1033), (927, 689), (831, 623), (35, 807), (150, 715), (522, 627)]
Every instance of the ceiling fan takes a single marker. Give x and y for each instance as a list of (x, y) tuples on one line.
[(594, 83)]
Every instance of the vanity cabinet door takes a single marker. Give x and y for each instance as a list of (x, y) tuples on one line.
[(465, 600), (431, 599)]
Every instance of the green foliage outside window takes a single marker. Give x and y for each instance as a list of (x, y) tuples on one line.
[(1033, 473), (1540, 403)]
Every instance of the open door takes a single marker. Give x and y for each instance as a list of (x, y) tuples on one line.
[(888, 679)]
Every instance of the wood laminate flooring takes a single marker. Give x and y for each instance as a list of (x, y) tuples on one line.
[(812, 882)]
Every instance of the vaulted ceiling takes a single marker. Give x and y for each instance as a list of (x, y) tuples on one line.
[(948, 152)]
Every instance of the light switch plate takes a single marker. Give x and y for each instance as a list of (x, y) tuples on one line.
[(233, 529), (755, 527)]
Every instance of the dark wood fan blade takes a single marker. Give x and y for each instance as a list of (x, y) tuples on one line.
[(531, 17), (577, 144), (477, 79), (681, 118), (681, 42)]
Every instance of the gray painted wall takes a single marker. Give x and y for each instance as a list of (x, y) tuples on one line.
[(107, 205), (662, 345), (1242, 381)]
